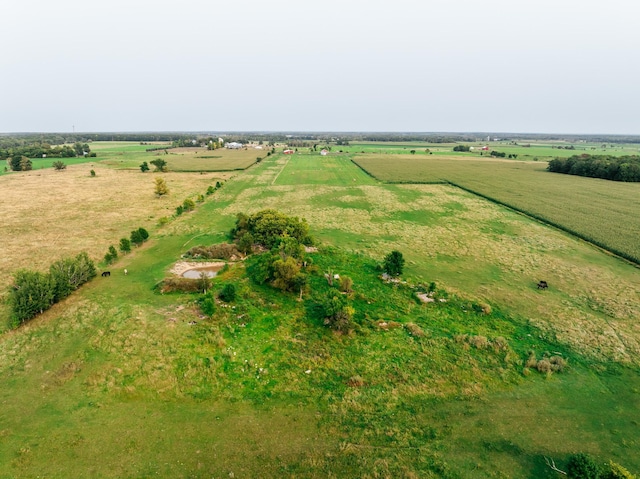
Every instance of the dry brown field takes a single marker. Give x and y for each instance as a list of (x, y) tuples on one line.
[(50, 214)]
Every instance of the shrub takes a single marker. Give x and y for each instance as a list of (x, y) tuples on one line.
[(163, 221), (245, 243), (182, 285), (393, 263), (616, 471), (25, 164), (125, 245), (207, 304), (346, 284), (414, 330), (557, 363), (111, 255), (228, 293), (160, 164), (70, 273), (582, 466), (32, 292), (144, 166), (143, 233), (136, 237), (92, 173), (479, 342), (179, 210), (188, 205), (161, 188), (210, 190), (59, 165), (544, 366), (337, 312), (217, 251)]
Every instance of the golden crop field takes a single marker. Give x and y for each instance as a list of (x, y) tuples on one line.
[(600, 211)]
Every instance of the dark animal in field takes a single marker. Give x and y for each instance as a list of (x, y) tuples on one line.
[(106, 273), (543, 285)]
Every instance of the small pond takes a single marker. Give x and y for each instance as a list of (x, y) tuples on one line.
[(210, 271)]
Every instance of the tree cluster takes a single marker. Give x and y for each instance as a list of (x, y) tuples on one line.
[(33, 292), (620, 168), (498, 154), (461, 148), (268, 227)]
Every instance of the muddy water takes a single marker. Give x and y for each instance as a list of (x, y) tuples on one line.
[(195, 273)]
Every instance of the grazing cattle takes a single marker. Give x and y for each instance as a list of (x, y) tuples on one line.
[(106, 273), (542, 285), (125, 272)]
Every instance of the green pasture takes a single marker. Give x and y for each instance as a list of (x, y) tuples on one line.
[(603, 212), (121, 381)]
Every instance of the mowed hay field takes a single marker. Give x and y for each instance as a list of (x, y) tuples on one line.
[(51, 214), (600, 211)]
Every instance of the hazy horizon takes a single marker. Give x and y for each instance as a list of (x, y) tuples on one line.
[(246, 66)]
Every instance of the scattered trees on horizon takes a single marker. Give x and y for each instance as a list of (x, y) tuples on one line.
[(620, 168)]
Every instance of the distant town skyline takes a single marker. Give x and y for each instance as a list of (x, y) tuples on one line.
[(563, 67)]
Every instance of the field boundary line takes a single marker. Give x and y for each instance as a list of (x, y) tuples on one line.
[(619, 254), (281, 170)]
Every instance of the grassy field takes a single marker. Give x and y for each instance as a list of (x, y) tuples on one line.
[(600, 211), (116, 381)]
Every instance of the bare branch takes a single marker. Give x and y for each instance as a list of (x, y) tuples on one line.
[(552, 465)]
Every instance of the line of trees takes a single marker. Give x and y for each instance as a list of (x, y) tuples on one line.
[(34, 292), (620, 168)]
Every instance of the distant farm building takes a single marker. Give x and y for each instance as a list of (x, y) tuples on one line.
[(233, 145), (288, 152), (324, 152), (485, 148)]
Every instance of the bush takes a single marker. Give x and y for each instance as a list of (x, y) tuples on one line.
[(188, 205), (144, 166), (393, 263), (582, 466), (346, 284), (181, 285), (92, 173), (616, 471), (163, 221), (228, 293), (125, 245), (136, 237), (143, 233), (210, 190), (59, 165), (161, 188), (111, 255), (216, 251), (31, 293), (70, 273), (337, 312), (207, 304)]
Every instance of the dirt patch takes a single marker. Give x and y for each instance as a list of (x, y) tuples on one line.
[(181, 266)]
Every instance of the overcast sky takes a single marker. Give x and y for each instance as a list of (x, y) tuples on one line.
[(558, 66)]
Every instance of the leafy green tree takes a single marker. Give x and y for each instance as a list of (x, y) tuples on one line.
[(14, 162), (125, 245), (161, 188), (393, 263), (160, 164), (144, 166), (70, 273), (111, 255), (284, 273), (32, 293), (582, 466), (228, 293), (136, 238), (59, 165), (143, 233), (245, 243)]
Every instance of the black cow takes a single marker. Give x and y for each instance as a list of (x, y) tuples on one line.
[(106, 273), (542, 285)]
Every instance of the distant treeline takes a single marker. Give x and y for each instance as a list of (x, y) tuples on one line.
[(40, 150), (620, 168)]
